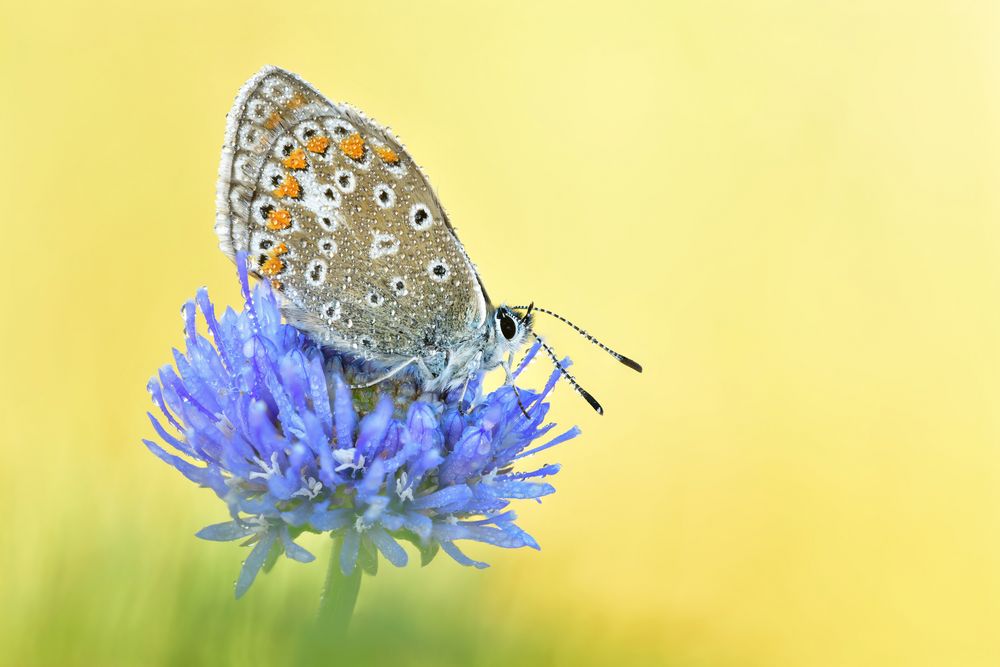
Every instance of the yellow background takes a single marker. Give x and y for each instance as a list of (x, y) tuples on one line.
[(787, 211)]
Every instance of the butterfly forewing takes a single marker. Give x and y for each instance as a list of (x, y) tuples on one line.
[(336, 215)]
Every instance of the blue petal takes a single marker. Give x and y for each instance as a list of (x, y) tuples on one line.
[(389, 547), (568, 435), (373, 428), (452, 495), (343, 409), (460, 557), (522, 490), (204, 476), (332, 520), (349, 551), (469, 457), (294, 551), (253, 563), (528, 357), (225, 532)]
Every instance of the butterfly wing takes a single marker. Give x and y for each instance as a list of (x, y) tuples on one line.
[(334, 212)]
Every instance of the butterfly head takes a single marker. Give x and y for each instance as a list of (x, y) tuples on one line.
[(510, 329)]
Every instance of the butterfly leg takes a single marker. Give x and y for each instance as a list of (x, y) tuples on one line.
[(391, 372), (474, 367), (510, 382)]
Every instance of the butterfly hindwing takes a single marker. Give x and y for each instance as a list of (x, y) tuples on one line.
[(333, 211)]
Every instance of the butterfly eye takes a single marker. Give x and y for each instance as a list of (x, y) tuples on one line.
[(508, 327)]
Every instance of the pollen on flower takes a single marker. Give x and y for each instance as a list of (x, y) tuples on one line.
[(269, 470), (288, 188), (387, 154), (296, 160), (318, 144), (278, 219), (353, 146)]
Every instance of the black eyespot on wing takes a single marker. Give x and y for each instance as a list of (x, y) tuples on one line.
[(265, 210), (439, 270)]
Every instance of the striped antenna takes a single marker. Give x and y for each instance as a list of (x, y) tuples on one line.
[(620, 357), (566, 374)]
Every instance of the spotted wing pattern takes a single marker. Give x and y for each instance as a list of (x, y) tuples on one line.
[(334, 212)]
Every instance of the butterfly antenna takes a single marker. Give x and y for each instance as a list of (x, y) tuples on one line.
[(620, 357), (517, 395), (527, 312), (566, 374)]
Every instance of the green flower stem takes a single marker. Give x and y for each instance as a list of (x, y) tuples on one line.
[(339, 595)]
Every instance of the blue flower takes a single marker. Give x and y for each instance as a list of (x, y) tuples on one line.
[(265, 418)]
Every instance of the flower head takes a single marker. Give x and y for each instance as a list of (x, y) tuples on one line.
[(266, 418)]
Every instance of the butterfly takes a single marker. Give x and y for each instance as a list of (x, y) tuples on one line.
[(331, 210)]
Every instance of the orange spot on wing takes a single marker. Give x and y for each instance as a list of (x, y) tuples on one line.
[(296, 160), (273, 120), (353, 146), (272, 267), (279, 249), (387, 154), (276, 284), (289, 188), (318, 144), (296, 101), (279, 219)]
